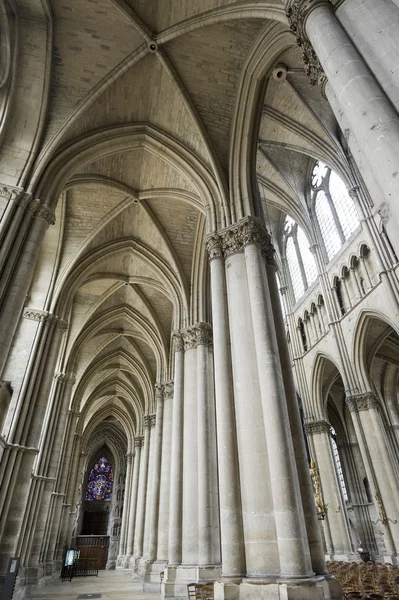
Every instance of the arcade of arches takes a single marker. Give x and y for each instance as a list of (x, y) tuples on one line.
[(199, 290)]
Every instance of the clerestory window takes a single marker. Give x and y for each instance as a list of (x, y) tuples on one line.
[(334, 208), (300, 260)]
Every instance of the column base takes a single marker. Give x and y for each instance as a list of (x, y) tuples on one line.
[(345, 557), (176, 579), (120, 562), (152, 576), (391, 559), (315, 588)]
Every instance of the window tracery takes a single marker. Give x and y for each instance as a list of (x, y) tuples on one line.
[(334, 208), (300, 260)]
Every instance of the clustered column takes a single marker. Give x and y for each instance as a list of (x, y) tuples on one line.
[(337, 536), (262, 471), (378, 463)]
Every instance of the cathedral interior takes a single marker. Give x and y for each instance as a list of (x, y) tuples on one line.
[(199, 292)]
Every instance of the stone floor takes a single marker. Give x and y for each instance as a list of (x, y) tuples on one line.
[(109, 585)]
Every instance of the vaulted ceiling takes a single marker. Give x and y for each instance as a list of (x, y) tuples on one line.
[(136, 118)]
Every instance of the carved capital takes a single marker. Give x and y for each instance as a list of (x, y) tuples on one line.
[(45, 213), (139, 441), (360, 402), (168, 390), (234, 239), (146, 421), (214, 246), (297, 12), (203, 334), (153, 420), (129, 457), (60, 377), (312, 427), (189, 339), (178, 341), (158, 392)]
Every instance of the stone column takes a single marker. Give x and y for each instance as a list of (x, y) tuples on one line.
[(164, 493), (376, 35), (205, 500), (126, 509), (176, 468), (156, 473), (148, 502), (377, 460), (298, 438), (232, 537), (293, 550), (130, 525), (371, 117), (336, 518), (142, 491), (20, 273), (259, 538), (190, 451)]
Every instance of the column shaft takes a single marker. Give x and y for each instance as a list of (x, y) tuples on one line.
[(293, 549), (134, 488), (156, 480), (232, 538), (140, 520), (176, 467)]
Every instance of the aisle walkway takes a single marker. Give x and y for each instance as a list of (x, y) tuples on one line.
[(109, 585)]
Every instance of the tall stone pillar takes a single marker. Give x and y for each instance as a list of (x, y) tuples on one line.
[(231, 525), (18, 273), (176, 468), (149, 496), (376, 35), (336, 519), (164, 493), (275, 536), (372, 119), (260, 539), (298, 438), (291, 536), (126, 509), (378, 464), (142, 491), (131, 523), (205, 416), (156, 473), (190, 452)]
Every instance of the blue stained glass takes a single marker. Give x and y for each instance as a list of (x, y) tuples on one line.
[(101, 480)]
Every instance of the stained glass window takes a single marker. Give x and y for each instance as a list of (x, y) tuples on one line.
[(334, 208), (100, 481)]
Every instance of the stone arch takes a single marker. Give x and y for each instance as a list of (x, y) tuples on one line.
[(324, 373), (49, 182)]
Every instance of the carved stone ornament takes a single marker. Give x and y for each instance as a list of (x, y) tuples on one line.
[(139, 441), (198, 334), (153, 420), (234, 239), (146, 421), (43, 316), (158, 392), (312, 427), (189, 339), (360, 402), (178, 341), (168, 390), (214, 246), (204, 335), (297, 11)]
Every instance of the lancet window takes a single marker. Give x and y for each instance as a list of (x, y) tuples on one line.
[(300, 260), (334, 208)]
